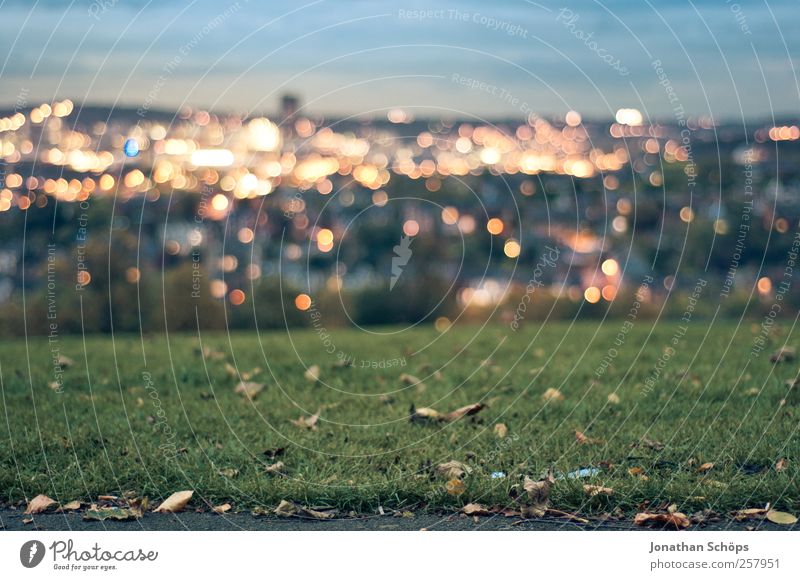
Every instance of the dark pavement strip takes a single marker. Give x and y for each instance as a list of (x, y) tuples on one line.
[(13, 521)]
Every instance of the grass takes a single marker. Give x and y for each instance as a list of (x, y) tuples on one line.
[(111, 431)]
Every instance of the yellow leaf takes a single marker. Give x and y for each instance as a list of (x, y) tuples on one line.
[(552, 394), (175, 503), (593, 490), (455, 487), (500, 430), (781, 518), (452, 469), (613, 398), (249, 390), (312, 374), (221, 509)]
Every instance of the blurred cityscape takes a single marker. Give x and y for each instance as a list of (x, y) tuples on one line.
[(127, 220)]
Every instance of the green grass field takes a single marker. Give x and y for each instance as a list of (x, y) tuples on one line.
[(154, 416)]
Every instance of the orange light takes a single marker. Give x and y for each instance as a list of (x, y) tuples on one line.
[(219, 202), (84, 277), (764, 285), (495, 226), (236, 297), (512, 248), (246, 235), (324, 237), (610, 267), (302, 302), (609, 292), (592, 294), (411, 228)]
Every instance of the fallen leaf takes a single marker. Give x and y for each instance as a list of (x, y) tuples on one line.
[(475, 509), (538, 495), (229, 472), (783, 354), (409, 380), (780, 465), (423, 414), (781, 518), (307, 422), (39, 504), (175, 503), (552, 394), (286, 509), (455, 487), (212, 354), (248, 389), (107, 497), (231, 370), (71, 506), (593, 490), (65, 361), (111, 513), (650, 443), (453, 469), (55, 385), (582, 439), (638, 472), (500, 430), (221, 509), (614, 399), (462, 412), (275, 468), (312, 373), (749, 513), (705, 467), (675, 520)]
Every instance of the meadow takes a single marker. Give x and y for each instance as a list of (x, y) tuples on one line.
[(694, 415)]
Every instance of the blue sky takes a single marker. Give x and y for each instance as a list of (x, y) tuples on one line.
[(354, 56)]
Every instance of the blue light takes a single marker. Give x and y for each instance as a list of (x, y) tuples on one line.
[(131, 148)]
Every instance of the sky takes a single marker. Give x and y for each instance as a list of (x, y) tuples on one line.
[(469, 58)]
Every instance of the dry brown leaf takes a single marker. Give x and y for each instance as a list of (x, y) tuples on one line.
[(593, 490), (638, 472), (65, 361), (749, 513), (780, 465), (538, 495), (71, 506), (705, 467), (462, 412), (175, 503), (614, 399), (423, 414), (39, 504), (675, 520), (650, 443), (212, 354), (409, 380), (781, 518), (307, 422), (286, 509), (455, 487), (248, 389), (582, 439), (783, 354), (552, 394), (275, 468), (221, 509), (231, 370), (500, 430), (312, 373), (475, 509), (452, 469)]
